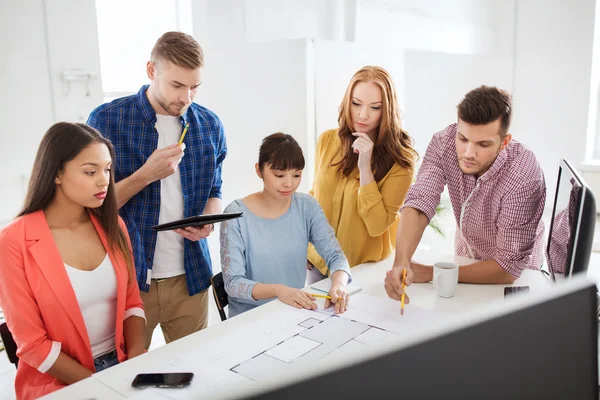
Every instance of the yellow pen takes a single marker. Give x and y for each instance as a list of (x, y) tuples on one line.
[(185, 129), (403, 291), (321, 296)]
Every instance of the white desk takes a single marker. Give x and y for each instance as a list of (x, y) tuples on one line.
[(88, 389), (369, 276)]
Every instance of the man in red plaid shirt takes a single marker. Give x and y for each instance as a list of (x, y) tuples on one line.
[(497, 191)]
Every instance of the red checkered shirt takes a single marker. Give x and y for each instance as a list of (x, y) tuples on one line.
[(561, 232), (498, 215)]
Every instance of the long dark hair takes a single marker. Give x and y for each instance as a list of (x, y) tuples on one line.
[(392, 145), (62, 143)]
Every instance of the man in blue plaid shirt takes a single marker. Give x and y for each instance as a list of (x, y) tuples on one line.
[(157, 182)]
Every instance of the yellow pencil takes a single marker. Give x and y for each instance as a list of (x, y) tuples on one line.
[(403, 286), (183, 134), (321, 296)]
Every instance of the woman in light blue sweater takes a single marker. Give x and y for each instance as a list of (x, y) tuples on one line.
[(263, 254)]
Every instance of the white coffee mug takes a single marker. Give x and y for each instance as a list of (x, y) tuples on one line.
[(445, 278)]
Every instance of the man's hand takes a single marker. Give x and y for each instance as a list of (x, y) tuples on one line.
[(194, 233), (296, 297), (422, 273), (339, 297), (162, 163), (393, 282)]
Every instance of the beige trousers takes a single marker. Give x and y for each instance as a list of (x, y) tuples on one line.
[(169, 304)]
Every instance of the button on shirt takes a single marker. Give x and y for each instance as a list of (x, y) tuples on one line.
[(498, 215), (129, 123)]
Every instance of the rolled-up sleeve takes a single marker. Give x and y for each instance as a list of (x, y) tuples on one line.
[(134, 312), (424, 195), (21, 311), (518, 223)]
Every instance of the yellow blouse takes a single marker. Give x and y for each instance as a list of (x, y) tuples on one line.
[(364, 218)]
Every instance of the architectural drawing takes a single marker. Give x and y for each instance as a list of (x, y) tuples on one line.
[(321, 340)]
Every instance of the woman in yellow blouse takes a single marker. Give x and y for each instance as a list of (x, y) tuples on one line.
[(364, 169)]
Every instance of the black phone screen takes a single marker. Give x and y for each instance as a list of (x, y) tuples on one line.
[(512, 290), (174, 379)]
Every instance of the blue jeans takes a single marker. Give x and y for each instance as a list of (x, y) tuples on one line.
[(106, 360)]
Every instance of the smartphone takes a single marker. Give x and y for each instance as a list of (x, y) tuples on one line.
[(512, 290), (163, 380)]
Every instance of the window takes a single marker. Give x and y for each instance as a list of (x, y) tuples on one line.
[(127, 31)]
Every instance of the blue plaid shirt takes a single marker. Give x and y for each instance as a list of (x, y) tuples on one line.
[(128, 123)]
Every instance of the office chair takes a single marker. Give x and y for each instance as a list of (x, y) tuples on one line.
[(220, 294), (9, 344)]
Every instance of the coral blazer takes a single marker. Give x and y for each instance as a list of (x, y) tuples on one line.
[(40, 306)]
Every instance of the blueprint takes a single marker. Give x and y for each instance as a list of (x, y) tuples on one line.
[(370, 321), (290, 337)]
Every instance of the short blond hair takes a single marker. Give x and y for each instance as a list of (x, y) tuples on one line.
[(179, 48)]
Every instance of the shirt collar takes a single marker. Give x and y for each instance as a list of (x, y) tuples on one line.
[(496, 166), (148, 111)]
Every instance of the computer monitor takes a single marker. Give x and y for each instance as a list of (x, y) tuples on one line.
[(536, 346), (571, 233)]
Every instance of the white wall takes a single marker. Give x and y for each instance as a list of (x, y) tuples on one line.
[(593, 145), (39, 41), (435, 50), (541, 52), (445, 48), (454, 26), (437, 82), (268, 20), (256, 89), (71, 24), (26, 102), (552, 69)]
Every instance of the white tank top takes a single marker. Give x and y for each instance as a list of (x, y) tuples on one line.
[(96, 293)]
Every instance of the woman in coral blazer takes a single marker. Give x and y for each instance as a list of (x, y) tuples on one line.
[(66, 275), (363, 170)]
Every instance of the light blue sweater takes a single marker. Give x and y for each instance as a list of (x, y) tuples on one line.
[(261, 250)]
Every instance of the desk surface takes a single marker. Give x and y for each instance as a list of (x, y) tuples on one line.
[(369, 276), (88, 389)]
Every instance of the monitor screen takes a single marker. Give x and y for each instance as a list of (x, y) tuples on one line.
[(538, 346), (573, 213)]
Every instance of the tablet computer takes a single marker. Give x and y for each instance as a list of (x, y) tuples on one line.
[(196, 220)]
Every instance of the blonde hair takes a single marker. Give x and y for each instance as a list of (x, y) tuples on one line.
[(392, 144), (179, 48)]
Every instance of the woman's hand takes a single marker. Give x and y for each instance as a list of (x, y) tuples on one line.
[(363, 145), (296, 298), (339, 297)]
